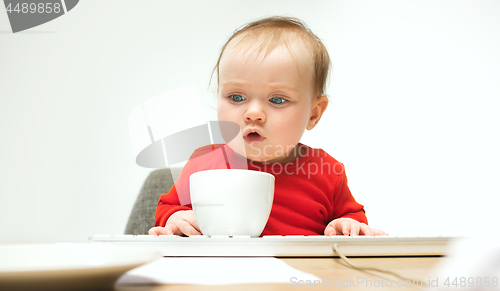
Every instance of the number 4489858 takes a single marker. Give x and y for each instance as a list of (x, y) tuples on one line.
[(471, 282), (34, 8)]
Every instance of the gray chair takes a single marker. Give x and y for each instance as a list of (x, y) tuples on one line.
[(142, 217)]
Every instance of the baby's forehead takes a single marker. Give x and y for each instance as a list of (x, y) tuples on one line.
[(251, 47)]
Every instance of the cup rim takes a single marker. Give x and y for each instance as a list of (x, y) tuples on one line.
[(251, 172)]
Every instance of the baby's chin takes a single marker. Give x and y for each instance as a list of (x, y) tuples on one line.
[(260, 159), (270, 159), (241, 151), (259, 155)]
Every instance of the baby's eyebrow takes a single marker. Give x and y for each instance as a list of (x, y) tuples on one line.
[(275, 86), (285, 86), (234, 82)]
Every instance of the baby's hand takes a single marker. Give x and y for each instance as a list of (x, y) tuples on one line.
[(180, 223), (349, 226)]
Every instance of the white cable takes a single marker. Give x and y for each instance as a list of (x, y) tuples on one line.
[(361, 268)]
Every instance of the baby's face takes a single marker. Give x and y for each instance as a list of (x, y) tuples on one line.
[(272, 99)]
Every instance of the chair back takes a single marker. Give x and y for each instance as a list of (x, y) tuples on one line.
[(142, 216)]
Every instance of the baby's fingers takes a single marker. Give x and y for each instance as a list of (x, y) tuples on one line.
[(186, 228), (378, 232), (338, 227), (354, 228), (330, 230), (193, 223), (160, 230), (366, 230)]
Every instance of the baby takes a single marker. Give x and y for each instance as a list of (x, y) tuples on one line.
[(272, 76)]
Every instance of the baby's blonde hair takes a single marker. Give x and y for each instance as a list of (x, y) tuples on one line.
[(278, 30)]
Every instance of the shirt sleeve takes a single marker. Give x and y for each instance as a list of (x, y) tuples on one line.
[(345, 206), (177, 198), (167, 205)]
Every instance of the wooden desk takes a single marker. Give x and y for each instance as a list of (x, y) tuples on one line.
[(335, 273)]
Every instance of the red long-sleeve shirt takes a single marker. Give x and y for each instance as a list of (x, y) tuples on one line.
[(309, 192)]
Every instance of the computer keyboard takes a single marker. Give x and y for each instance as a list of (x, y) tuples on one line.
[(283, 246)]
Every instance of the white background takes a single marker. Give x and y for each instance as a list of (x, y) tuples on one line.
[(413, 115)]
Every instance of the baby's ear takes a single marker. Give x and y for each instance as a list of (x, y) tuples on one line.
[(318, 107)]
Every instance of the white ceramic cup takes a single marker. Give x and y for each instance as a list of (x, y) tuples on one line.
[(231, 201)]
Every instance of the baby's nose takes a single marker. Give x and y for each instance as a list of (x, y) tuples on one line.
[(253, 118), (255, 113)]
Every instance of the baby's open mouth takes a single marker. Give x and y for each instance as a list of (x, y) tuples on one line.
[(253, 138)]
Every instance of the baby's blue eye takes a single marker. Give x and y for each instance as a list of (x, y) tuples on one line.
[(237, 98), (277, 100)]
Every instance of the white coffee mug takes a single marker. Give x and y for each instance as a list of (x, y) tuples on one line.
[(231, 201)]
